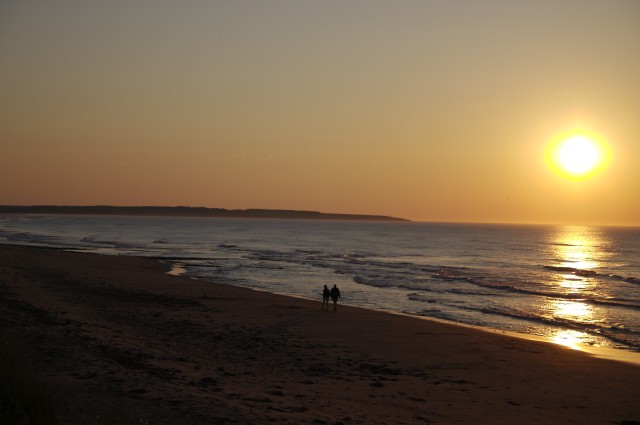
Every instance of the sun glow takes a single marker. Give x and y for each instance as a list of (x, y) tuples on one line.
[(578, 155)]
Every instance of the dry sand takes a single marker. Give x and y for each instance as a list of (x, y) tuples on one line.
[(124, 342)]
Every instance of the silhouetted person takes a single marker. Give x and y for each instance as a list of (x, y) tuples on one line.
[(335, 295), (325, 297)]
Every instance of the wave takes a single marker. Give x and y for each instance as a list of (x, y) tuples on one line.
[(28, 238), (630, 279), (589, 273), (617, 333), (366, 269), (416, 282), (573, 270), (377, 281), (562, 244), (118, 244), (442, 271)]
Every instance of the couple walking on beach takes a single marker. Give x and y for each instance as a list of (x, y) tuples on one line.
[(334, 294)]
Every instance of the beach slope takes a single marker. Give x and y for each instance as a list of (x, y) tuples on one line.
[(121, 341)]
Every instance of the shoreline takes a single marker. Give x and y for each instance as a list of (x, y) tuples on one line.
[(616, 354), (119, 331)]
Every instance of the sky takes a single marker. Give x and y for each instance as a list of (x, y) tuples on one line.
[(430, 110)]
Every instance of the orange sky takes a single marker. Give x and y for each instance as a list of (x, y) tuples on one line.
[(427, 110)]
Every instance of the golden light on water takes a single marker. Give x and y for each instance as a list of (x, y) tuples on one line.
[(577, 251), (577, 256), (578, 154), (573, 284), (578, 247), (573, 310), (569, 338)]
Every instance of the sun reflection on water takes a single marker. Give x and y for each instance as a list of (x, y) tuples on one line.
[(576, 249), (570, 338), (573, 310), (577, 254)]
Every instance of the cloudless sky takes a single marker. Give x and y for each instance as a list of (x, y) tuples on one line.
[(427, 110)]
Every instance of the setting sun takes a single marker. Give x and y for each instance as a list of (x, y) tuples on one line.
[(578, 155)]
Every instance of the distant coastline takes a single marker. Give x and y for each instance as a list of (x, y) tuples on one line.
[(189, 212)]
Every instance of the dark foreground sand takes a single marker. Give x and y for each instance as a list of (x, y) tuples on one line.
[(123, 342)]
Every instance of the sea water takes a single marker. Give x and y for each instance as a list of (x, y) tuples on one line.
[(576, 285)]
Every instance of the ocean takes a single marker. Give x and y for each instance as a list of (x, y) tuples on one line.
[(574, 285)]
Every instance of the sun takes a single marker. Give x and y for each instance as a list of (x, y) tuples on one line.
[(578, 154)]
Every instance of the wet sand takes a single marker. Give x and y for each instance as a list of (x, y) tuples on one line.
[(124, 342)]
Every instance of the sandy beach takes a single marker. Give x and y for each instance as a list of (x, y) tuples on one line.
[(122, 341)]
